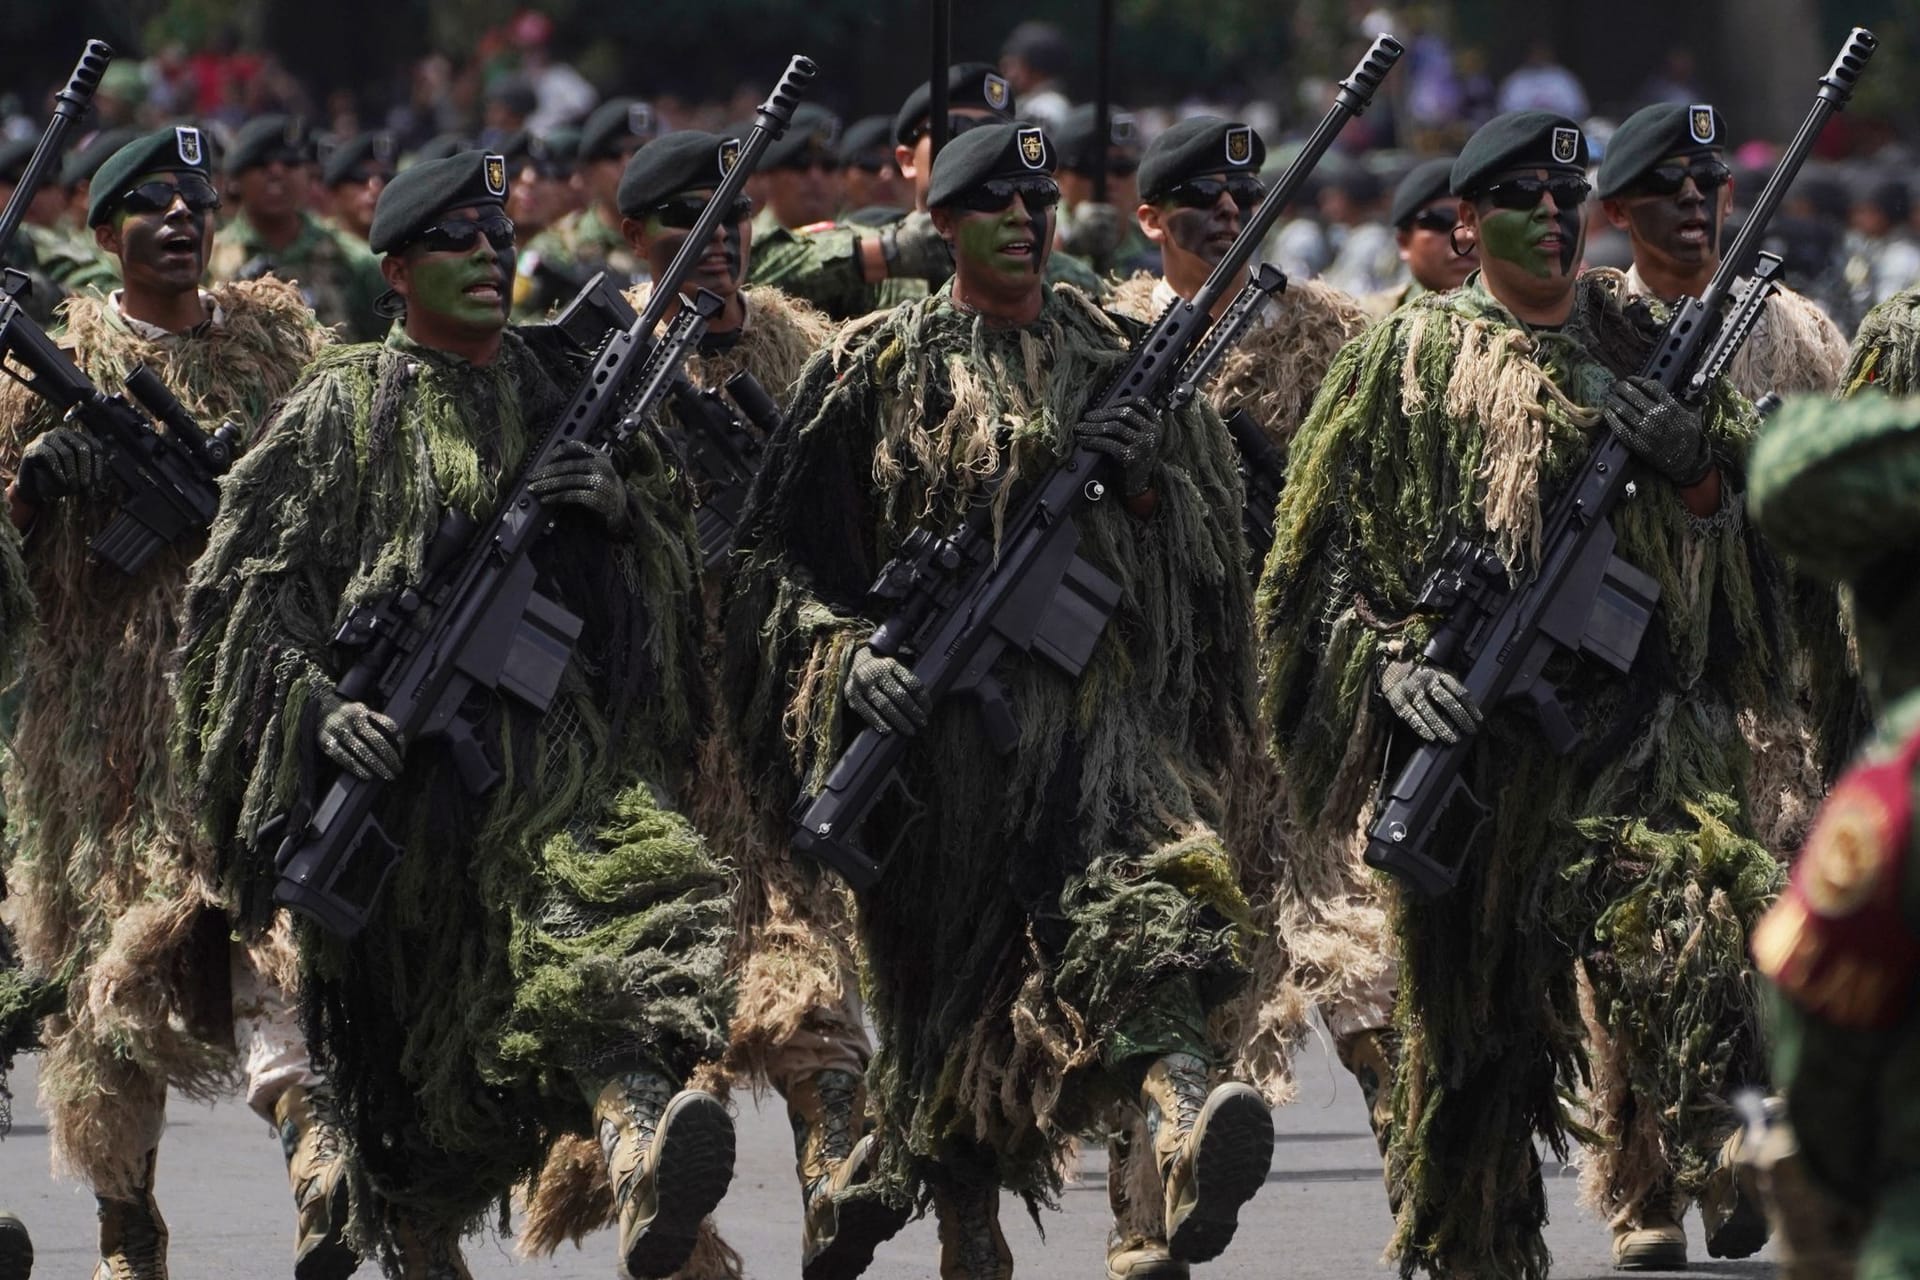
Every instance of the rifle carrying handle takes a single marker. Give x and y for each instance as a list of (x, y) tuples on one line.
[(73, 99), (1837, 85)]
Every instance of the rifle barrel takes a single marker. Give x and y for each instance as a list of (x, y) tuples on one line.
[(68, 106)]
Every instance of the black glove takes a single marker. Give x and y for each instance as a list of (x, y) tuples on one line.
[(62, 462), (582, 476), (886, 694), (914, 248), (1663, 433), (1130, 435), (1431, 700), (359, 739)]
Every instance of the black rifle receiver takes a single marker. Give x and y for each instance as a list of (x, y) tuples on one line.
[(1584, 599), (477, 622), (958, 601)]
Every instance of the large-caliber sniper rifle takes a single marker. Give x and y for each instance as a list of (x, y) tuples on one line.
[(477, 623), (1498, 635), (168, 480), (958, 601)]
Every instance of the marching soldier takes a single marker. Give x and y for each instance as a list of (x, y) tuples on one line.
[(801, 173), (875, 192), (588, 241), (1049, 939), (1425, 214), (354, 175), (1102, 232), (119, 893), (546, 959), (273, 234)]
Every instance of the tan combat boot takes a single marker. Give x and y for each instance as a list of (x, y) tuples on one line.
[(430, 1253), (971, 1245), (1648, 1237), (316, 1166), (16, 1249), (1213, 1150), (1732, 1213), (669, 1158), (838, 1232), (1137, 1246), (133, 1236)]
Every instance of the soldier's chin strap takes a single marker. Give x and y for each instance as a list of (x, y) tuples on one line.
[(390, 306)]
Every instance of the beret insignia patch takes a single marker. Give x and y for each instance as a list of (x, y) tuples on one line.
[(384, 149), (996, 91), (1700, 123), (186, 140), (1033, 149), (1240, 145), (496, 175), (1566, 145), (640, 120), (729, 155), (1126, 129)]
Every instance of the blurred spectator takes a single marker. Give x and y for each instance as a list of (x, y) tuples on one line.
[(1883, 257), (562, 95), (510, 104), (1033, 60), (1476, 88), (1542, 84), (1434, 93), (1676, 81), (1368, 260)]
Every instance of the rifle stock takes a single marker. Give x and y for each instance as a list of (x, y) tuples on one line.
[(1584, 600)]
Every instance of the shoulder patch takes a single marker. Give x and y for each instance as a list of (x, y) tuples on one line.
[(1837, 943)]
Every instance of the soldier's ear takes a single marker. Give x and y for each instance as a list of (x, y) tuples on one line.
[(943, 223), (1148, 216), (107, 236), (634, 232), (395, 269)]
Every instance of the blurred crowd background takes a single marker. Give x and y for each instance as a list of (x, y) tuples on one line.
[(484, 70)]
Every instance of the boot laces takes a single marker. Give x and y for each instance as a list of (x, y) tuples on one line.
[(838, 1091), (643, 1100), (1187, 1082)]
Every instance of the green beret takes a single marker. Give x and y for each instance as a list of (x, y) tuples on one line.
[(1197, 146), (440, 146), (874, 134), (1518, 140), (615, 123), (14, 154), (423, 195), (688, 160), (1074, 137), (376, 148), (969, 84), (82, 164), (815, 131), (265, 137), (178, 149), (524, 147), (1429, 180), (1836, 485), (983, 154), (1650, 135), (563, 146)]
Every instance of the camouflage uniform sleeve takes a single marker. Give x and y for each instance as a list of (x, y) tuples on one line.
[(821, 267), (1064, 268)]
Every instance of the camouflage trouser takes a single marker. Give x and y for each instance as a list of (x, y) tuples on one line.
[(832, 1039), (266, 1032)]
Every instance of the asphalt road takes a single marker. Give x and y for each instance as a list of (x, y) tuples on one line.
[(1323, 1213)]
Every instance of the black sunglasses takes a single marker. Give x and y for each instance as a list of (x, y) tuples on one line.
[(459, 235), (996, 194), (1525, 193), (1204, 193), (1667, 179), (681, 212), (1436, 219), (158, 196)]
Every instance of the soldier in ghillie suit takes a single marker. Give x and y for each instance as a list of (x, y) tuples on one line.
[(269, 170), (1666, 183), (1463, 415), (120, 895), (1058, 924), (24, 998), (796, 1023), (1324, 940), (1886, 349), (1833, 487), (547, 959), (848, 271), (1423, 215)]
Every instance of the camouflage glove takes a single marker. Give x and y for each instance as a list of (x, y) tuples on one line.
[(1431, 701), (359, 739), (1663, 433), (884, 693), (914, 248), (63, 462), (1095, 233), (580, 475), (1130, 434)]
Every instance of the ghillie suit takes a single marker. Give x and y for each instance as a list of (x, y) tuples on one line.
[(119, 892), (1056, 918), (1323, 938), (1633, 854), (533, 944), (1795, 347), (791, 950), (1886, 349)]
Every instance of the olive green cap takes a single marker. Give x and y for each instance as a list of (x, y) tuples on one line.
[(1650, 135), (1836, 485), (1518, 140), (425, 193), (178, 149)]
